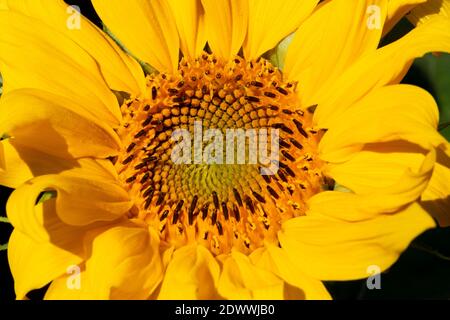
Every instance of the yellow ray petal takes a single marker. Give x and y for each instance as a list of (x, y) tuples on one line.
[(30, 59), (337, 33), (54, 125), (407, 185), (34, 264), (385, 66), (397, 9), (275, 260), (71, 286), (190, 18), (397, 112), (19, 164), (436, 198), (81, 199), (429, 10), (226, 25), (378, 166), (146, 28), (242, 280), (270, 21), (132, 270), (193, 273), (331, 249), (43, 225), (41, 222), (121, 72)]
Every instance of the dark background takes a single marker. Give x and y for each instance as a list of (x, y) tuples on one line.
[(422, 272)]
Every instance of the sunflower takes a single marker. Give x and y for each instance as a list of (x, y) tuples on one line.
[(101, 211)]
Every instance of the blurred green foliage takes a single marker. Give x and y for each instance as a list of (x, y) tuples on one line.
[(436, 71)]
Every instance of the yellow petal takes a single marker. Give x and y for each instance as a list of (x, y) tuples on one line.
[(226, 26), (330, 249), (54, 125), (19, 164), (192, 274), (397, 112), (146, 28), (37, 56), (125, 264), (80, 200), (378, 166), (351, 206), (270, 21), (190, 18), (71, 286), (384, 66), (242, 280), (121, 72), (397, 9), (40, 220), (429, 10), (275, 260), (436, 198), (337, 33), (34, 264)]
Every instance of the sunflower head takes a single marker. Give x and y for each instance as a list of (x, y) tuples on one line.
[(232, 202), (177, 161)]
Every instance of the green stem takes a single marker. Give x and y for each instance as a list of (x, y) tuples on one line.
[(431, 251)]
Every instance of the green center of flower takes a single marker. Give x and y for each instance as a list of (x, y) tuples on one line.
[(219, 154)]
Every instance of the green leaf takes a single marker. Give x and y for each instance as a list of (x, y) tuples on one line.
[(44, 196), (4, 220), (3, 247)]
